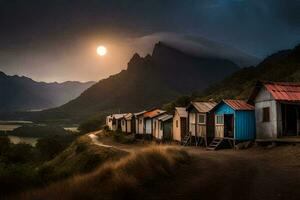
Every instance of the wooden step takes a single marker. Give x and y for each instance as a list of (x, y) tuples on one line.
[(214, 144), (186, 139)]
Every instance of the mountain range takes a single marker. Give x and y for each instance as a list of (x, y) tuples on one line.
[(167, 74), (196, 45), (147, 82), (19, 93)]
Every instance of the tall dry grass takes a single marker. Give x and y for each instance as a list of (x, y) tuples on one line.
[(124, 179)]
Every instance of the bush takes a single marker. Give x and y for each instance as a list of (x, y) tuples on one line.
[(4, 145), (49, 147), (90, 125), (121, 137), (106, 128), (20, 153)]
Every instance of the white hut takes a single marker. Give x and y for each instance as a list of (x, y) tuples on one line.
[(114, 121), (109, 122), (277, 110), (139, 123), (179, 123), (201, 121), (148, 121), (129, 121)]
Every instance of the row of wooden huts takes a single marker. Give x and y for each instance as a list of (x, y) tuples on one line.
[(272, 112)]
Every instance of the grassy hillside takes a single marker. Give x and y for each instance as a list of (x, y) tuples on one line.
[(282, 66), (82, 156), (128, 177), (23, 167)]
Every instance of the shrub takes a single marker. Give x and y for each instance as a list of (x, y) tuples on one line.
[(90, 125), (49, 147), (20, 153), (106, 128), (4, 145), (121, 137)]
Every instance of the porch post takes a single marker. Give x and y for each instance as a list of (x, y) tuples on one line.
[(196, 124), (297, 111)]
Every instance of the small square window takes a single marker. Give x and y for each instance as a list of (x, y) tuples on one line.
[(201, 119), (266, 114), (219, 119)]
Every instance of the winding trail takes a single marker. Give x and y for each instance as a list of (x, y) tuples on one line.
[(95, 140), (100, 142)]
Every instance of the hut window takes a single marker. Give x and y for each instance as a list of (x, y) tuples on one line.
[(123, 122), (161, 126), (220, 119), (201, 119), (140, 121), (176, 123), (266, 114)]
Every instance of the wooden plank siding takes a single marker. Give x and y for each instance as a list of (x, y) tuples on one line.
[(219, 133), (201, 130)]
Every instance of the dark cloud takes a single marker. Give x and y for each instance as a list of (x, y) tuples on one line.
[(254, 26)]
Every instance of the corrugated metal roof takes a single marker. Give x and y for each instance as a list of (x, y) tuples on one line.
[(165, 117), (204, 107), (153, 113), (128, 116), (140, 113), (239, 104), (119, 116), (181, 111), (284, 91)]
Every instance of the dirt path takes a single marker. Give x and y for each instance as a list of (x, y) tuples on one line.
[(106, 142), (95, 140)]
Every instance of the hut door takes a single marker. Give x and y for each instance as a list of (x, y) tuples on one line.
[(290, 120), (183, 127), (228, 125)]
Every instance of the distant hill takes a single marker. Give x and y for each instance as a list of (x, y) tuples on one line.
[(22, 93), (281, 66), (147, 82)]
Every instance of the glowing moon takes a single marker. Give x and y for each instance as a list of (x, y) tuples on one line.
[(101, 50)]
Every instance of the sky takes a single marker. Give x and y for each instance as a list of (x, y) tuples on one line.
[(56, 40)]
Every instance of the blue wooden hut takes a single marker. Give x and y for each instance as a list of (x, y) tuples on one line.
[(234, 120)]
